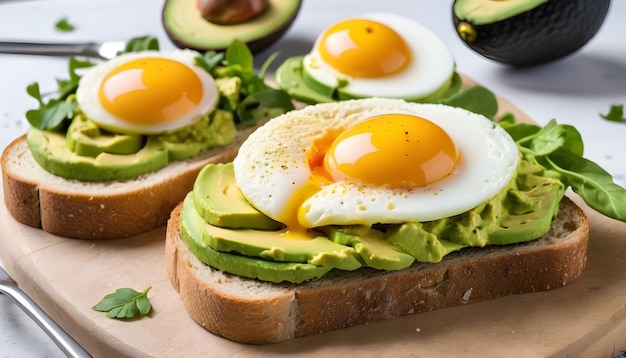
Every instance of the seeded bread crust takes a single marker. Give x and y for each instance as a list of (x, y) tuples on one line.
[(252, 311), (99, 210)]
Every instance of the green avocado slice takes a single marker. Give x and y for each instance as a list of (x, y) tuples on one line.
[(292, 78), (219, 201), (271, 245), (191, 230)]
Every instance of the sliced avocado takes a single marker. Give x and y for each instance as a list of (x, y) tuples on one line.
[(545, 197), (192, 233), (280, 246), (187, 28), (371, 246), (51, 152), (292, 78), (219, 201), (421, 244), (84, 138), (527, 32)]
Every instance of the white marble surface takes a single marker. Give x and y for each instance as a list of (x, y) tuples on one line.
[(574, 90)]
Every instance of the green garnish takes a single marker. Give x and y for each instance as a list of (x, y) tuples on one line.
[(258, 100), (616, 114), (125, 303), (559, 148), (64, 25)]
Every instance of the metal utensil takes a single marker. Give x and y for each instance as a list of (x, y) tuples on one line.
[(105, 50), (63, 340)]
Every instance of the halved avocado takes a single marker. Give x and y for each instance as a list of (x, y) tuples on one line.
[(187, 28), (527, 32)]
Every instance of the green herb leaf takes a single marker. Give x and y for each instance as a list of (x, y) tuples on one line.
[(125, 303), (64, 25), (209, 60), (559, 148), (142, 43), (475, 99), (591, 182), (616, 114), (554, 136), (238, 53), (263, 105)]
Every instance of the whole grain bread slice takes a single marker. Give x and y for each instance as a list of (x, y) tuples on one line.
[(252, 311), (100, 210)]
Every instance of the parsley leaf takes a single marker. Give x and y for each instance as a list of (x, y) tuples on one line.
[(125, 303), (616, 114), (63, 25), (142, 43)]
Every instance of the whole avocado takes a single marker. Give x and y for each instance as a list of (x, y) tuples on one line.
[(527, 32)]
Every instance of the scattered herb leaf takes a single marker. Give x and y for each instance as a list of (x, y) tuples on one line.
[(63, 25), (616, 114), (125, 303)]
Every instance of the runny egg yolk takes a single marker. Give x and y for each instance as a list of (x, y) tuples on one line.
[(393, 150), (150, 90), (364, 48)]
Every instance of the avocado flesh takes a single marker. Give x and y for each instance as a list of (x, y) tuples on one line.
[(480, 12), (186, 27), (192, 234), (372, 246), (292, 78), (543, 33), (219, 201), (521, 212), (85, 139)]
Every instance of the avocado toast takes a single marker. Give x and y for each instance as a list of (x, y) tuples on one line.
[(86, 176)]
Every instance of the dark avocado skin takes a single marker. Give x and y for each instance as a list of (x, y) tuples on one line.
[(546, 33)]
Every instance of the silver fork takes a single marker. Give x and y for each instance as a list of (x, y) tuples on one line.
[(67, 344), (104, 50)]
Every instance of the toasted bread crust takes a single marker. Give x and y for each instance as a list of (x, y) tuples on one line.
[(99, 210), (252, 311)]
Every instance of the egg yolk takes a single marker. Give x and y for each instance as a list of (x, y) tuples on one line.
[(364, 48), (150, 91), (393, 150)]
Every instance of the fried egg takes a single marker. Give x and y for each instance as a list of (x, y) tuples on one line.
[(380, 55), (373, 161), (147, 92)]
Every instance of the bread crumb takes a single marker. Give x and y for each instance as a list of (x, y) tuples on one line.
[(418, 329), (466, 295)]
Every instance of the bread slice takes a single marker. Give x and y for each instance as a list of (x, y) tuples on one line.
[(99, 210), (252, 311)]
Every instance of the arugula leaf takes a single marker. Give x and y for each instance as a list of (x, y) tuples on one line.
[(554, 136), (125, 303), (64, 25), (591, 182), (209, 60), (264, 105), (616, 114), (559, 148), (475, 99), (238, 53), (142, 43)]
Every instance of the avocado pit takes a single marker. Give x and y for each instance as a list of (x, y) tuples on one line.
[(231, 12)]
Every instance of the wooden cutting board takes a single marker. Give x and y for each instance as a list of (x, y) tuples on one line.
[(67, 277)]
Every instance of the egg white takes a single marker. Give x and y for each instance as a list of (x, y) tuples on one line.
[(89, 103), (431, 68), (271, 166)]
